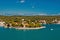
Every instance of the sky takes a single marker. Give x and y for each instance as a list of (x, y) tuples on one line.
[(29, 7)]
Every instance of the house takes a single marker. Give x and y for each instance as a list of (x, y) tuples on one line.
[(2, 23), (55, 21), (58, 22), (25, 24), (42, 21)]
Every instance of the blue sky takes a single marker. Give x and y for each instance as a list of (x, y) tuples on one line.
[(29, 7)]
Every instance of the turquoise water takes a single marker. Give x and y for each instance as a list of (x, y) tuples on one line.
[(41, 34)]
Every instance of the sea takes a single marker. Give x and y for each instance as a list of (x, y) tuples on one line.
[(51, 32)]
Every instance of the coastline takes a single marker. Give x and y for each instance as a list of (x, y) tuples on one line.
[(25, 28)]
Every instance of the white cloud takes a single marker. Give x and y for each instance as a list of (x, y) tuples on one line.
[(48, 14), (22, 1), (55, 14), (58, 13), (40, 14)]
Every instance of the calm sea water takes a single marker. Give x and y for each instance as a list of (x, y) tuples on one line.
[(41, 34)]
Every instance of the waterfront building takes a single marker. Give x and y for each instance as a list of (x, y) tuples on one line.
[(42, 21), (2, 23), (58, 22), (55, 21)]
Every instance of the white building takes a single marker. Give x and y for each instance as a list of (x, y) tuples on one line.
[(2, 23)]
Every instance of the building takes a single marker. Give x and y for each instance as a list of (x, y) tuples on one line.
[(2, 23), (55, 21), (42, 21), (58, 22)]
